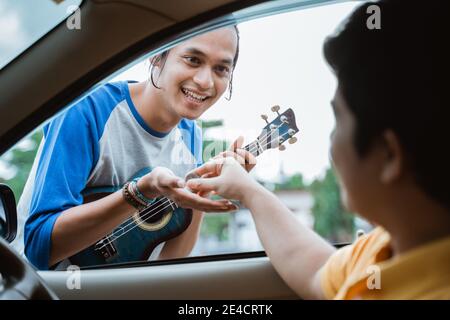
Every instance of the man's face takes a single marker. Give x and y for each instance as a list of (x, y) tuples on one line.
[(197, 72), (358, 176)]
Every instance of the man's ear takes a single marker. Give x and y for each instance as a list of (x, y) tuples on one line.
[(155, 61), (394, 161)]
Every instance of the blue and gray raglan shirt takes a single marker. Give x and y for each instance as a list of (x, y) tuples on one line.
[(100, 142)]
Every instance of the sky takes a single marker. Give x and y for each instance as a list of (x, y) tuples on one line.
[(22, 22), (280, 63)]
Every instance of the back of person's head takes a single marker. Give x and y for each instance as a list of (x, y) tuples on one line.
[(397, 77)]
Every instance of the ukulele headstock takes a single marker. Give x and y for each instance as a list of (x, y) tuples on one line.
[(279, 130)]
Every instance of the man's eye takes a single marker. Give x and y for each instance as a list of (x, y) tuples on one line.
[(192, 60), (223, 70)]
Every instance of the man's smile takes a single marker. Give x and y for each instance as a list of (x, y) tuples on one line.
[(194, 96)]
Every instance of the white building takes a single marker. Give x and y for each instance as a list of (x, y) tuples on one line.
[(242, 236)]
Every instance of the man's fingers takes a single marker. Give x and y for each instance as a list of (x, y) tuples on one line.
[(250, 159), (237, 143), (209, 167), (245, 158), (208, 175), (225, 206), (228, 209), (172, 182), (230, 154), (203, 185), (204, 194), (186, 199)]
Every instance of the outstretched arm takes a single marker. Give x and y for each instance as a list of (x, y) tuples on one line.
[(296, 252), (80, 226)]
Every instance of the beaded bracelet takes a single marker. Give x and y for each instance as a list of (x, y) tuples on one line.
[(139, 194), (130, 198), (132, 191)]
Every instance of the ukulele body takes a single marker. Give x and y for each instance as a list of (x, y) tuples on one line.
[(136, 238)]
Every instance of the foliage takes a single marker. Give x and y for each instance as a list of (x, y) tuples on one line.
[(211, 147), (214, 224), (331, 220), (20, 159), (295, 182)]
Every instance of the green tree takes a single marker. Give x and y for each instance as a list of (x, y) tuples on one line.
[(331, 220), (211, 147), (294, 182), (20, 159), (214, 224)]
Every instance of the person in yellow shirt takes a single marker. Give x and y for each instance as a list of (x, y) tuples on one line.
[(389, 151)]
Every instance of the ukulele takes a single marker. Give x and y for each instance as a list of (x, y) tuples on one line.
[(136, 238)]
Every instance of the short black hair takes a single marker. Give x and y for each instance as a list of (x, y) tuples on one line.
[(397, 77)]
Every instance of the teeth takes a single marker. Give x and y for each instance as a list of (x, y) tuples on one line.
[(193, 95)]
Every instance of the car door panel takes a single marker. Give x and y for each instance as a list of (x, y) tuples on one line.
[(253, 278)]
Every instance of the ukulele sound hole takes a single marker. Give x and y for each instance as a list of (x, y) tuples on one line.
[(150, 218), (149, 222)]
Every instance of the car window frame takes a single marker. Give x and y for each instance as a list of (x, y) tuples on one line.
[(172, 38)]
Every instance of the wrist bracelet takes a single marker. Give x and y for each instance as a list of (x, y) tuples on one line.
[(132, 191), (130, 198), (139, 194)]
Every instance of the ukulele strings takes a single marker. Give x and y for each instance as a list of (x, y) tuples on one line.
[(148, 211)]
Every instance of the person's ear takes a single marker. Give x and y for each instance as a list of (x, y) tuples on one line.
[(394, 160), (156, 65), (155, 61)]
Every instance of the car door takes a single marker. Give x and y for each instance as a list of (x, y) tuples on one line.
[(64, 65)]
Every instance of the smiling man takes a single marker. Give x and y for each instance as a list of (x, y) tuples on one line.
[(121, 131)]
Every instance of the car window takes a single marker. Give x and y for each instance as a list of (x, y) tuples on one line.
[(24, 22), (2, 220), (280, 63)]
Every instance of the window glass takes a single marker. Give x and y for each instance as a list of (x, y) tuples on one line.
[(24, 22), (280, 63)]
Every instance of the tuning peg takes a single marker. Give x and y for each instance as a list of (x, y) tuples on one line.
[(282, 148), (265, 117), (292, 140), (291, 132), (284, 119), (273, 126), (275, 109)]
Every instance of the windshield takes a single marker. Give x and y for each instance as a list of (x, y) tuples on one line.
[(23, 22)]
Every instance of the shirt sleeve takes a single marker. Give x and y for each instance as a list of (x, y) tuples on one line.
[(192, 137), (334, 273), (198, 145), (345, 261), (69, 152)]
